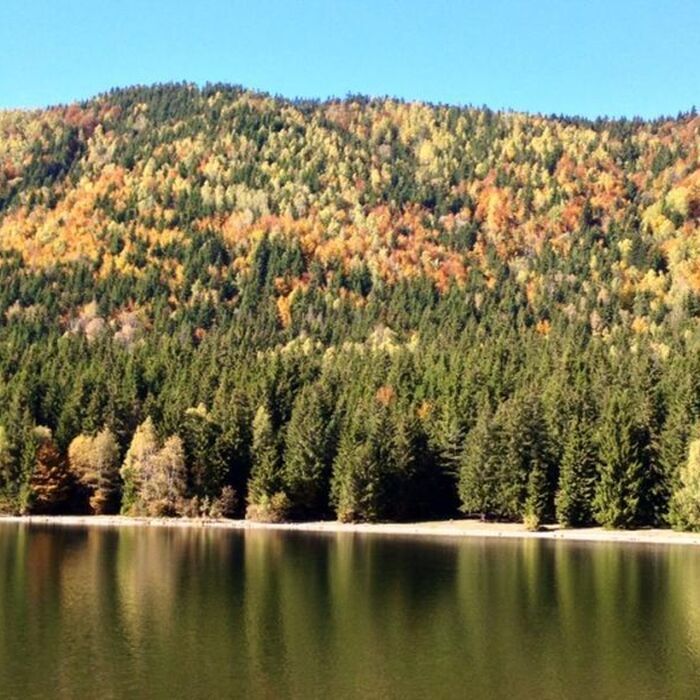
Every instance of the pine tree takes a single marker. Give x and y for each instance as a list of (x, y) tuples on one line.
[(672, 447), (511, 460), (18, 456), (308, 455), (577, 475), (232, 413), (536, 506), (6, 464), (616, 501), (206, 460), (538, 462), (367, 470), (105, 499), (478, 477), (500, 456), (432, 489), (448, 439), (353, 485), (266, 499), (409, 486)]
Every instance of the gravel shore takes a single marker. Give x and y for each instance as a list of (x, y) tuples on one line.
[(446, 528)]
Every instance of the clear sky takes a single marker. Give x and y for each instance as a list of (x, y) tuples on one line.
[(589, 57)]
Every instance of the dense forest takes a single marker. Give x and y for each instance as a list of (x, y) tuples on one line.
[(215, 302)]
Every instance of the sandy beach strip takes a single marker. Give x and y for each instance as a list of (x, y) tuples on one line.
[(446, 528)]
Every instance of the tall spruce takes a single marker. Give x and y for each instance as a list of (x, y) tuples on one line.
[(368, 466), (577, 475), (266, 499), (478, 475), (674, 439), (308, 454), (206, 456), (620, 463)]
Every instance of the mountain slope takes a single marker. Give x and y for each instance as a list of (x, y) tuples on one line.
[(448, 291)]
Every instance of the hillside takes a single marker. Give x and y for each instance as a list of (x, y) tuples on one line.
[(214, 301)]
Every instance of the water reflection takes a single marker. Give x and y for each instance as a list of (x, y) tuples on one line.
[(211, 614)]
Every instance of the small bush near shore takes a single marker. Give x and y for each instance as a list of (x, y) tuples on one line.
[(532, 523), (272, 509)]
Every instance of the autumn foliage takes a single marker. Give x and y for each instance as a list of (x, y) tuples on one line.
[(222, 302)]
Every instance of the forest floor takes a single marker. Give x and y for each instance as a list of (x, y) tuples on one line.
[(444, 528)]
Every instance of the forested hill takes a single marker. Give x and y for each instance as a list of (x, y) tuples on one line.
[(214, 301)]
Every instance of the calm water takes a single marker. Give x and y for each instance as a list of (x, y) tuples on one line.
[(154, 613)]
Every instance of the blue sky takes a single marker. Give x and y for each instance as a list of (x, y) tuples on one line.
[(595, 57)]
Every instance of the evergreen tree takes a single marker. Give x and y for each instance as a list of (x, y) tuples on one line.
[(308, 455), (539, 464), (369, 466), (17, 457), (231, 412), (508, 470), (577, 475), (618, 490), (7, 469), (478, 476), (206, 460), (354, 481), (448, 439), (672, 447), (536, 506), (430, 487), (266, 500), (512, 464)]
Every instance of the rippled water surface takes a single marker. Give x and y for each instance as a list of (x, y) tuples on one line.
[(175, 613)]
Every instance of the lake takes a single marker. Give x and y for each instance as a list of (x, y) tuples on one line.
[(200, 613)]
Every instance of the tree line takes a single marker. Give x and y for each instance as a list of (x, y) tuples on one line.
[(469, 412)]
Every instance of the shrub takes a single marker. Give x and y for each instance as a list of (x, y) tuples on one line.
[(269, 509)]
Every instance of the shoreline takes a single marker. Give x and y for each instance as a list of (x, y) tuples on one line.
[(445, 528)]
